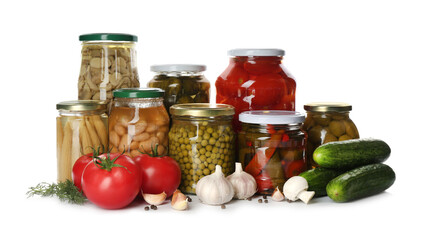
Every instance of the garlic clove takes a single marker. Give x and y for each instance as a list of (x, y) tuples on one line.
[(277, 195), (155, 199), (306, 196), (179, 201)]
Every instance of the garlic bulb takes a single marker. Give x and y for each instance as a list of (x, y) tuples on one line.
[(243, 183), (214, 189)]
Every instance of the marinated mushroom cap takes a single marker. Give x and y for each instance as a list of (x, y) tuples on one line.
[(294, 186)]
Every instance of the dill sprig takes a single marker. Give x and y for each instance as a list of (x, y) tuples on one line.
[(65, 191)]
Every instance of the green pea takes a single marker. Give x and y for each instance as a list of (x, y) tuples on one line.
[(206, 136), (204, 143), (212, 141), (211, 167), (206, 171)]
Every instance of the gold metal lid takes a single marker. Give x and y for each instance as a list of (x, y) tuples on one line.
[(328, 107), (82, 105), (202, 110)]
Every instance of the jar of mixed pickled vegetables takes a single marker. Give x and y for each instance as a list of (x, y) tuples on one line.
[(182, 83), (327, 122), (201, 137), (256, 80), (272, 147), (138, 122), (81, 127), (108, 62)]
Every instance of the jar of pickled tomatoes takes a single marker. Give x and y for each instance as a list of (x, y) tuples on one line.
[(138, 122), (272, 147), (256, 80)]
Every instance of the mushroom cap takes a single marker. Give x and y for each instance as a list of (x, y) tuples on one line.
[(294, 186)]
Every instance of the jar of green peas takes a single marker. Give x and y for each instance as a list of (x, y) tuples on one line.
[(201, 137)]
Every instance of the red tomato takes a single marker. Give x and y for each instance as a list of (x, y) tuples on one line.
[(158, 174), (294, 168), (262, 66), (112, 182), (229, 83), (78, 168), (267, 89)]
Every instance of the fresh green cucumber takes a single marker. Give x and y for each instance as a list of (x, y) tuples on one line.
[(361, 182), (350, 154), (318, 178)]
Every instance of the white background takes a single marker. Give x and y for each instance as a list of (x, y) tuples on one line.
[(367, 53)]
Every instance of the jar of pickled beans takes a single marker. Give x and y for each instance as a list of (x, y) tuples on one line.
[(272, 147), (138, 122), (201, 137), (81, 127), (327, 122), (256, 80)]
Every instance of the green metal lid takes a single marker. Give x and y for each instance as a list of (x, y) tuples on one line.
[(108, 37), (138, 93), (82, 105)]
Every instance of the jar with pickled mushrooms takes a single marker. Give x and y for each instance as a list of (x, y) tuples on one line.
[(138, 122), (182, 83), (201, 137), (327, 122), (81, 127), (108, 62), (272, 147)]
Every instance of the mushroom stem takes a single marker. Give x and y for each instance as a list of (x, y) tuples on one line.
[(306, 196)]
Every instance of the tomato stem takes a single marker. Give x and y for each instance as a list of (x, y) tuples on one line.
[(154, 151), (106, 163)]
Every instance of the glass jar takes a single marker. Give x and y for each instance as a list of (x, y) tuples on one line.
[(256, 80), (182, 83), (138, 122), (272, 147), (108, 62), (327, 122), (81, 127), (201, 137)]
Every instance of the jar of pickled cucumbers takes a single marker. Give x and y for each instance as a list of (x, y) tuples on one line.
[(327, 122), (182, 83), (108, 62), (138, 122), (81, 127), (272, 147), (201, 137)]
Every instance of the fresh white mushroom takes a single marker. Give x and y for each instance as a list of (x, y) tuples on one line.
[(296, 188)]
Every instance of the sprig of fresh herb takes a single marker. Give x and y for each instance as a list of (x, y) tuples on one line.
[(65, 191)]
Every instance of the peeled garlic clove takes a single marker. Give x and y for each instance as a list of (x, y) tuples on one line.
[(155, 199), (243, 183), (277, 195), (179, 201)]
